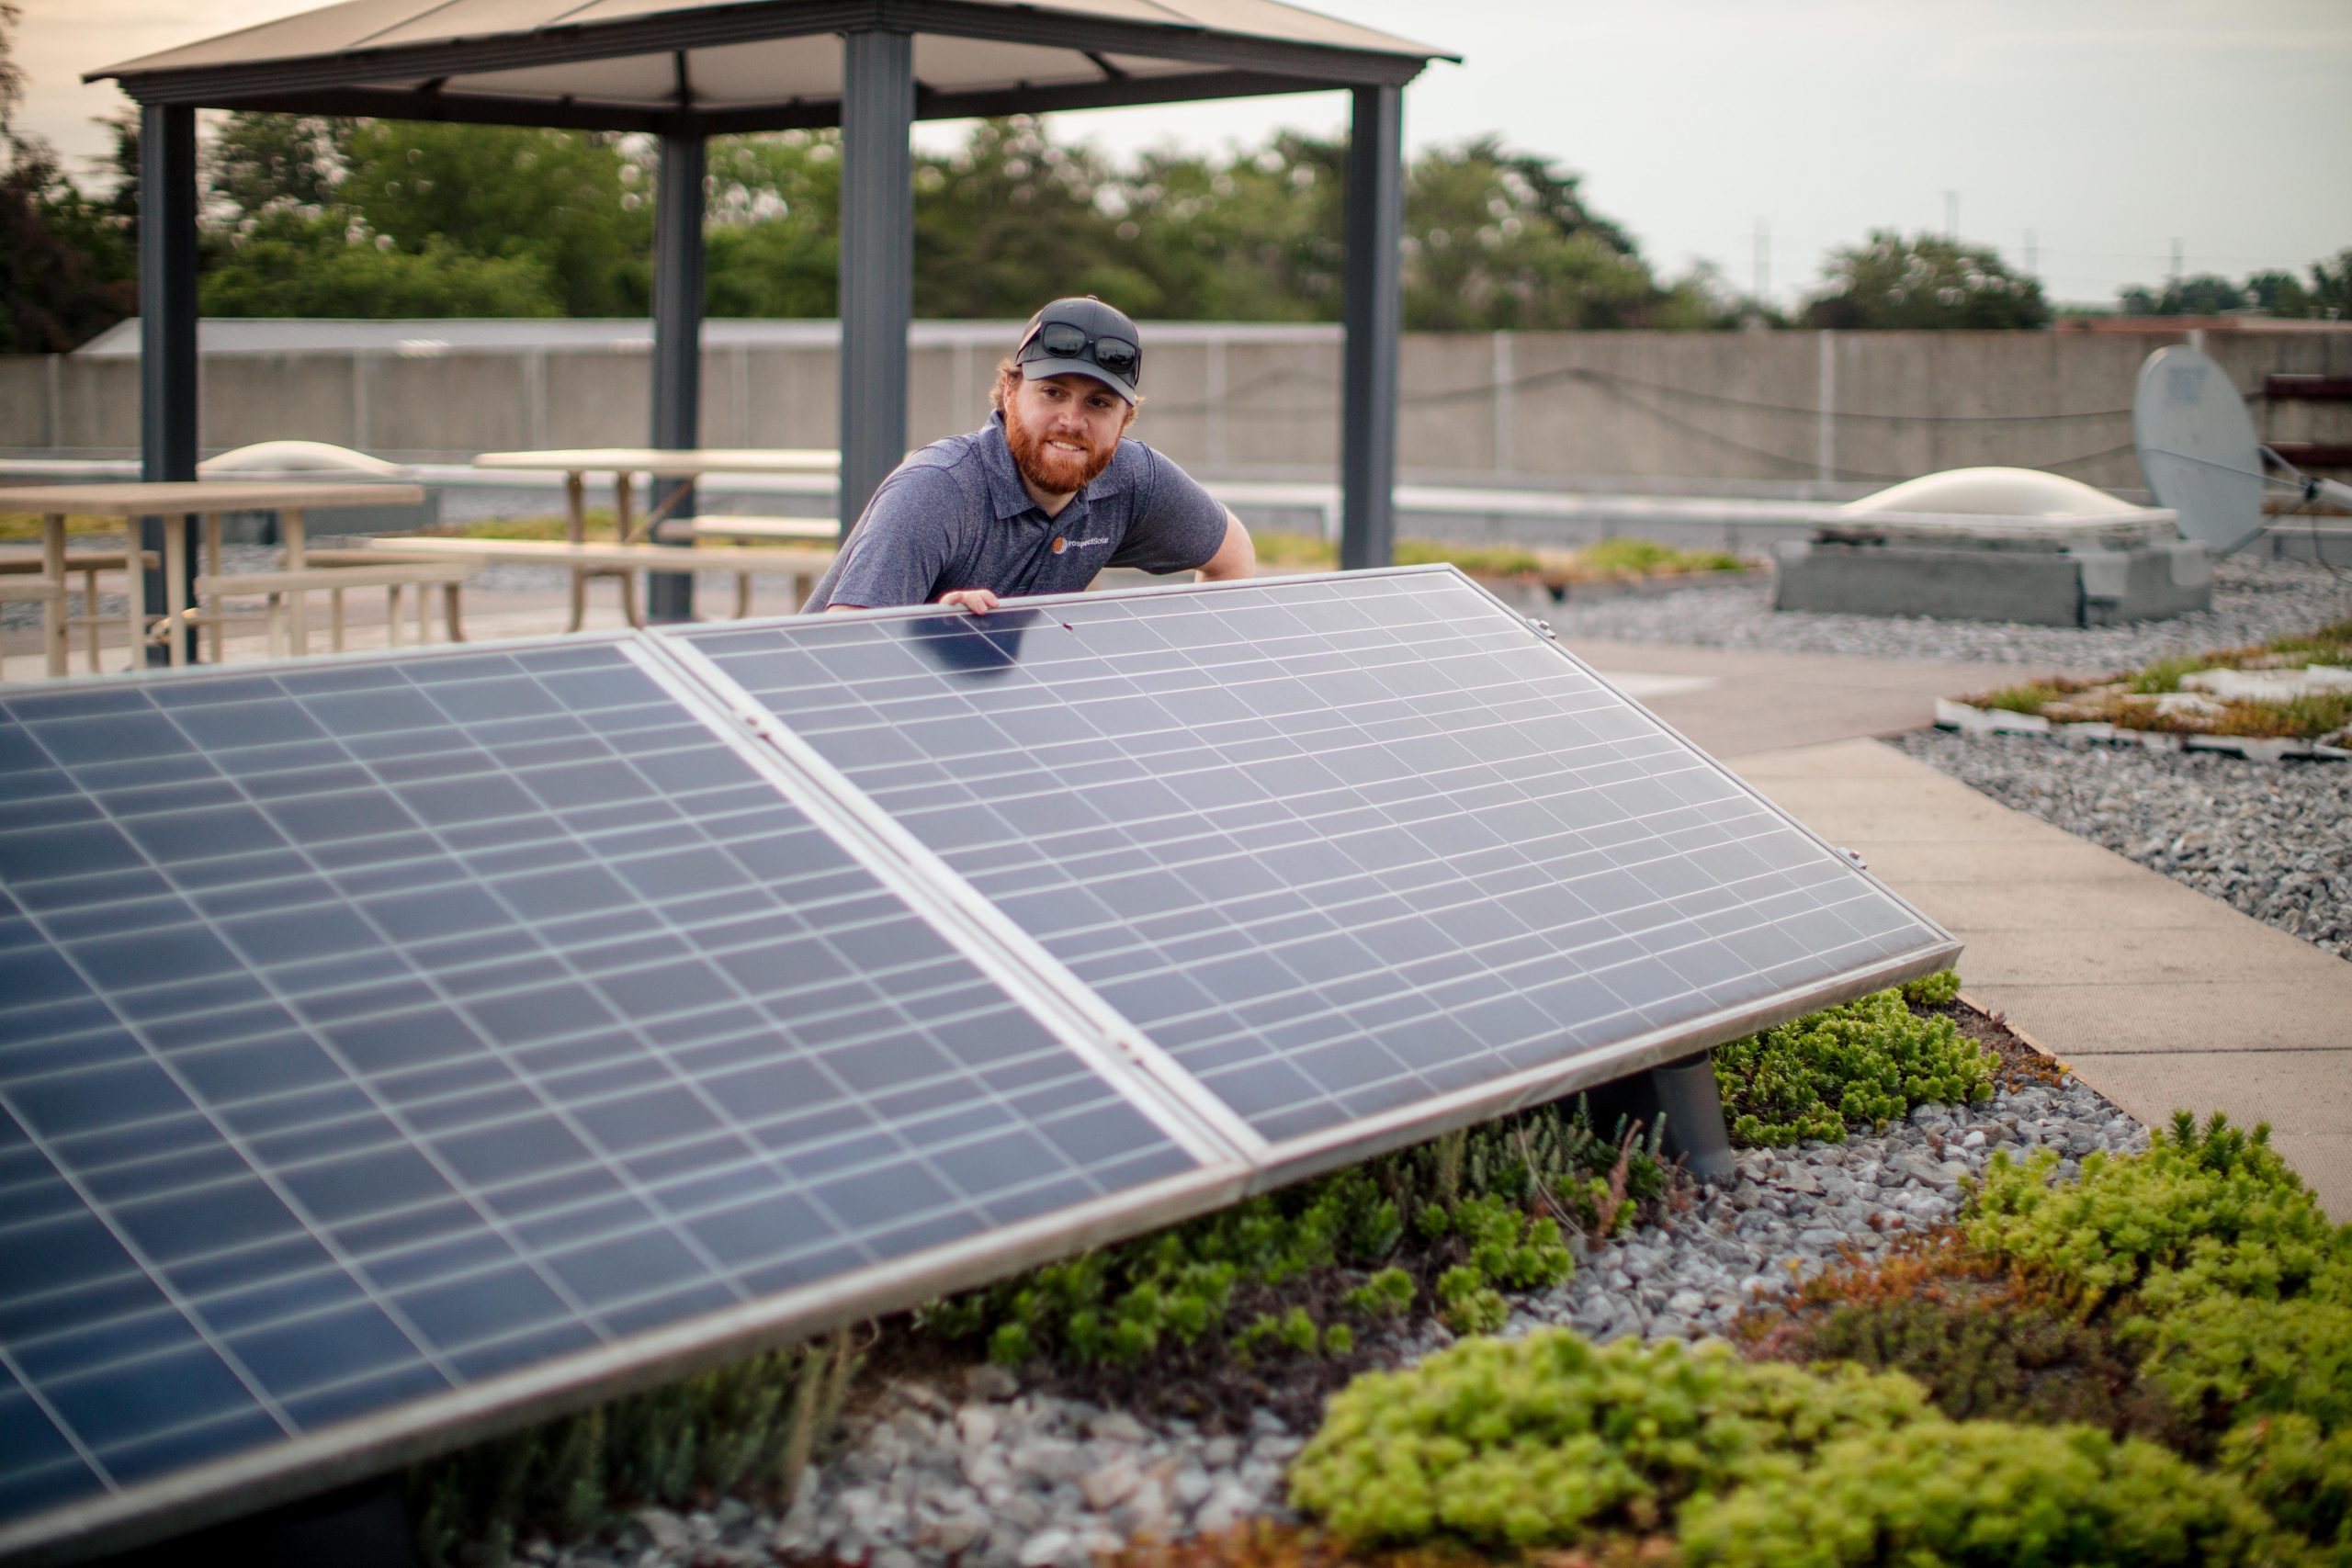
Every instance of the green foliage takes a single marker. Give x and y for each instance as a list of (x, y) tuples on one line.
[(2310, 716), (571, 201), (1605, 560), (2300, 1473), (2327, 294), (748, 1427), (1864, 1064), (2210, 1212), (2163, 675), (1478, 561), (1467, 1304), (2329, 643), (1989, 1355), (1495, 238), (1609, 560), (2031, 697), (1932, 991), (293, 266), (1536, 1442), (2236, 1358), (1926, 280), (1388, 1294), (1462, 1218), (1982, 1492)]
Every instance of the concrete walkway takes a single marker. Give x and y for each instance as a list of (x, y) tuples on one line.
[(2158, 997)]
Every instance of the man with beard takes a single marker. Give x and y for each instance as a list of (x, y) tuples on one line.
[(1044, 495)]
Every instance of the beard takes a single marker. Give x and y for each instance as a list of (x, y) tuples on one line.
[(1050, 468)]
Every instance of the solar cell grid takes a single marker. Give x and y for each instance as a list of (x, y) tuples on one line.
[(370, 1030), (1337, 847)]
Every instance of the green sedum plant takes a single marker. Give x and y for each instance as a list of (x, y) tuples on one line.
[(1989, 1355), (1466, 1216), (1931, 990), (2301, 1475), (2234, 1358), (2202, 1213), (1538, 1441), (1989, 1493), (1864, 1064)]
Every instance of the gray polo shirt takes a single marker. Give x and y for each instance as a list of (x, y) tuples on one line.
[(954, 516)]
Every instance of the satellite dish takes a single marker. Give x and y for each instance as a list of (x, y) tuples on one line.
[(2197, 448), (2198, 451)]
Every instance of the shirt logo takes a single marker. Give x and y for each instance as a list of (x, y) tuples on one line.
[(1061, 544)]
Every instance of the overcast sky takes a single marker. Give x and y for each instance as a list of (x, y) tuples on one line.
[(2105, 130)]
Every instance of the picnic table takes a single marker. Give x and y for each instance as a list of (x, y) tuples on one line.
[(207, 498), (624, 463)]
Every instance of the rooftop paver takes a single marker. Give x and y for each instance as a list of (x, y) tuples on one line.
[(2159, 997)]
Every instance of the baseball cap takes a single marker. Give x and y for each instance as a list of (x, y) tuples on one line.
[(1083, 336)]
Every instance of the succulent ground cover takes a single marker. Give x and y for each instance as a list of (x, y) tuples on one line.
[(1275, 1302), (1604, 560), (2147, 1364), (2208, 693)]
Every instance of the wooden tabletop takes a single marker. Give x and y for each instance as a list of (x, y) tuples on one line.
[(669, 463), (199, 495)]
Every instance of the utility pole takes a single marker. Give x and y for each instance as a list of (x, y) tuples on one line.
[(2176, 266)]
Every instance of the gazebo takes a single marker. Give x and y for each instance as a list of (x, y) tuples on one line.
[(687, 69)]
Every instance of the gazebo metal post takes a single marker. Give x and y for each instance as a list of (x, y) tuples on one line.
[(167, 364), (877, 259), (1375, 204), (677, 341)]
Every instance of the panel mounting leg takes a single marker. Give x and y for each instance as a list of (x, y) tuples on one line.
[(1683, 1092)]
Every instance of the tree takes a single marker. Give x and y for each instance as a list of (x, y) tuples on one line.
[(67, 271), (1929, 280), (1256, 237), (259, 163), (773, 243), (384, 218), (292, 263), (1011, 220), (2331, 292), (2328, 296), (2206, 294), (570, 201), (1496, 239)]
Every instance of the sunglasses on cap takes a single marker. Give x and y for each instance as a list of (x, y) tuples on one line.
[(1062, 339)]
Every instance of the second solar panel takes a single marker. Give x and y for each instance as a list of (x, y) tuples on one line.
[(1341, 847)]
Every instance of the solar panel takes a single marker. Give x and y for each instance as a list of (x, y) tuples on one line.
[(384, 1042), (1353, 851)]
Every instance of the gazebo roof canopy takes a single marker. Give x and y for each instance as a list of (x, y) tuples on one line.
[(715, 66)]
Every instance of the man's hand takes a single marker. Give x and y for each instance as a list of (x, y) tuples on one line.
[(1236, 558), (979, 601)]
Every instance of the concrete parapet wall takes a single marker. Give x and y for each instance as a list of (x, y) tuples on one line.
[(1808, 413)]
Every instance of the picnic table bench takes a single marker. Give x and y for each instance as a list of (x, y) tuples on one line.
[(624, 463), (89, 563), (625, 560)]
